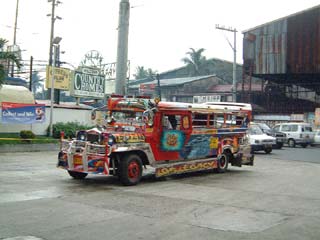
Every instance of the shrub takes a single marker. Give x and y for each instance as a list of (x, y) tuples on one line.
[(69, 129), (27, 134)]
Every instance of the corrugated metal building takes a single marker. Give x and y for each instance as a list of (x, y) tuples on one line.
[(285, 53), (290, 45)]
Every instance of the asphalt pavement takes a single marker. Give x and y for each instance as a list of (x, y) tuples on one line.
[(278, 198)]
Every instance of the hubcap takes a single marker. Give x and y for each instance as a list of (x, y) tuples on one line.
[(222, 162), (133, 170)]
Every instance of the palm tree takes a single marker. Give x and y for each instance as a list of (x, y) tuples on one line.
[(195, 61), (141, 72), (6, 56)]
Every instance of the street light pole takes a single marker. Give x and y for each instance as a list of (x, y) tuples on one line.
[(55, 44), (15, 35), (234, 48)]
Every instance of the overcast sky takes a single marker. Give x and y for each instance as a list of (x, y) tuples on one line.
[(160, 31)]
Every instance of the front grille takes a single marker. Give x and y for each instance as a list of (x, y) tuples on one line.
[(93, 138), (267, 141)]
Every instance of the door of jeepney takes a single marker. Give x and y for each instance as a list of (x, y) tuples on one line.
[(174, 132)]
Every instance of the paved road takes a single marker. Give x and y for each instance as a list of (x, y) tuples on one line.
[(276, 199)]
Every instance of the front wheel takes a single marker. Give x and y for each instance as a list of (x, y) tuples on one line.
[(291, 143), (77, 175), (130, 170), (279, 145), (223, 161)]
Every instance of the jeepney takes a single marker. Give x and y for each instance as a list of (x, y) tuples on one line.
[(170, 137)]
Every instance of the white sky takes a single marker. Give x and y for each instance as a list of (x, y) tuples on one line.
[(160, 31)]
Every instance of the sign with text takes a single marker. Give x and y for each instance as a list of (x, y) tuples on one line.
[(88, 82), (19, 113), (110, 70), (62, 78), (208, 98)]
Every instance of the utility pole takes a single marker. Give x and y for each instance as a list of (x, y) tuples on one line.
[(122, 50), (30, 75), (234, 48), (15, 35), (53, 19), (52, 29)]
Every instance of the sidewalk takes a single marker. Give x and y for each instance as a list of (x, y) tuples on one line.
[(7, 148)]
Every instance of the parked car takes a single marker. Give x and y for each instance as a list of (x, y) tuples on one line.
[(281, 137), (316, 139), (297, 133), (260, 141)]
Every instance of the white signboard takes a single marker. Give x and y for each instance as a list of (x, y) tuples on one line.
[(88, 82), (110, 70), (208, 98)]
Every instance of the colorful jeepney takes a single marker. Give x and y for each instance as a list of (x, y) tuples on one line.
[(171, 137)]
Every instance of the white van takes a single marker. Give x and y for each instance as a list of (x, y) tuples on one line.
[(260, 141), (297, 133)]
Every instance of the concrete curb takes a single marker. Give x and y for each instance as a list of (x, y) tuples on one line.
[(7, 148)]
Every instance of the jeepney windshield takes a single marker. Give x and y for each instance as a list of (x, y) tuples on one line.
[(126, 117)]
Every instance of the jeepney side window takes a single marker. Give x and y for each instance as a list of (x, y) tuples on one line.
[(199, 120), (230, 120), (218, 120)]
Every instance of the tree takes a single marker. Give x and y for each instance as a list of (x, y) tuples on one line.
[(37, 82), (195, 62), (6, 56), (141, 72)]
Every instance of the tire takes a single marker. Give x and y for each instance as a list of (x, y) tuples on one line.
[(130, 170), (304, 145), (268, 150), (77, 175), (279, 145), (222, 163), (291, 143)]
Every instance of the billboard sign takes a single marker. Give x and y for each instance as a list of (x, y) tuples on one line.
[(62, 78), (110, 70), (20, 113), (208, 98), (88, 82)]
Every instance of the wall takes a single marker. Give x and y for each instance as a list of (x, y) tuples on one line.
[(65, 115)]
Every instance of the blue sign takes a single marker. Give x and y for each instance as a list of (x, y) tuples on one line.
[(19, 113)]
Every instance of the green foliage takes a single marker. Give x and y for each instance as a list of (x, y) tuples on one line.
[(4, 57), (69, 129), (141, 72), (27, 134), (195, 62)]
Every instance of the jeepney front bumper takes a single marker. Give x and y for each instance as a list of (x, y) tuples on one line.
[(84, 157)]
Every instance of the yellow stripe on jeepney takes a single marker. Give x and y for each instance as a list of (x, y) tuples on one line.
[(130, 138)]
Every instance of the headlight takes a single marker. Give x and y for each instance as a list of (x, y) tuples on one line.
[(111, 140), (82, 136)]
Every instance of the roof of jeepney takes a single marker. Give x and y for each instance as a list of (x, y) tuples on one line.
[(205, 107)]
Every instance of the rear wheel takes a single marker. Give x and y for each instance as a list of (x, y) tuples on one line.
[(130, 170), (291, 143), (268, 150), (77, 175), (223, 161)]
